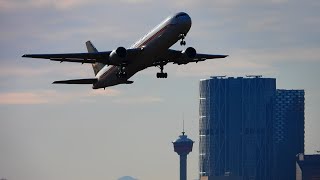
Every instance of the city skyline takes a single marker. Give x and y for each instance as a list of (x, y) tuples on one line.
[(72, 132)]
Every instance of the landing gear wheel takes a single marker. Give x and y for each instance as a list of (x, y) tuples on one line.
[(122, 73), (182, 42), (162, 75)]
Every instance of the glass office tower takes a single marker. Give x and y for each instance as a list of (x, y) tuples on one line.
[(248, 129), (288, 133), (236, 122)]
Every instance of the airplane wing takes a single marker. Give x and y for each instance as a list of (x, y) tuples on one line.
[(101, 57), (178, 57), (77, 81), (91, 58)]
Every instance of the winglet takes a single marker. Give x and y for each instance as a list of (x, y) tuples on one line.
[(26, 55)]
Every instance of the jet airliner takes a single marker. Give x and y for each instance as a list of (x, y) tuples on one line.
[(117, 66)]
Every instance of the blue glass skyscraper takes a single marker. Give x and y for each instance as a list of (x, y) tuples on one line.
[(235, 124), (248, 129), (288, 132)]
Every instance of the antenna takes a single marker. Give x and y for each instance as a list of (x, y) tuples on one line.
[(183, 124)]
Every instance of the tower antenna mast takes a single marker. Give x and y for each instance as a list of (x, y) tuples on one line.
[(183, 124)]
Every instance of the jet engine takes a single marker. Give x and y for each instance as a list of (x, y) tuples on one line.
[(118, 56), (190, 52), (187, 55)]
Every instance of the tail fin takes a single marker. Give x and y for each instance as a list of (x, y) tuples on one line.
[(96, 66)]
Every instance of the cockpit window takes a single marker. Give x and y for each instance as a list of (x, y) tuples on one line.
[(180, 15)]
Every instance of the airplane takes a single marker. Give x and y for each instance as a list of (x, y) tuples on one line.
[(117, 66)]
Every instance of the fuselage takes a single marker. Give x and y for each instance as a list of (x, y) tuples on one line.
[(152, 45)]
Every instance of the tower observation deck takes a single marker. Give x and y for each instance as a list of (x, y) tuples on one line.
[(183, 146)]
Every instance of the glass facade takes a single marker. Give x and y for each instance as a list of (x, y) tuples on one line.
[(288, 132), (248, 129), (235, 127)]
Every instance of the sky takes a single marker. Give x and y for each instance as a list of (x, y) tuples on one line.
[(62, 132)]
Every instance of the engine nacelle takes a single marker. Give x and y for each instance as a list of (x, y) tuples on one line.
[(187, 55), (118, 56)]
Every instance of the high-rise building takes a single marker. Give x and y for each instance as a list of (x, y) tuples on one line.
[(308, 167), (183, 146), (248, 129), (288, 132), (235, 127)]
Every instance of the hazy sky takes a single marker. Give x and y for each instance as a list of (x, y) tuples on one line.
[(63, 132)]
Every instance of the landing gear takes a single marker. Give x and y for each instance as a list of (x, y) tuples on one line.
[(182, 42), (122, 73), (161, 74)]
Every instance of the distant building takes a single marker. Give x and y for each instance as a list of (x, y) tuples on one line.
[(308, 167), (288, 132), (248, 129), (235, 128)]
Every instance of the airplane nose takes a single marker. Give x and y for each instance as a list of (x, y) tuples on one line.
[(185, 20)]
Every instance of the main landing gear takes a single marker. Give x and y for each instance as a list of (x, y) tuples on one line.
[(161, 74), (122, 73), (182, 42)]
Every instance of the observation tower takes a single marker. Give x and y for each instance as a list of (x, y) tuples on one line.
[(183, 146)]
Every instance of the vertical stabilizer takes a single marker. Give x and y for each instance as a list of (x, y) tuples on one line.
[(96, 66)]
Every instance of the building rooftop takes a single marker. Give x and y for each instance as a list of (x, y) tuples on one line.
[(239, 77)]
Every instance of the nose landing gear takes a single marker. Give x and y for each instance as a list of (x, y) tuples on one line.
[(182, 42)]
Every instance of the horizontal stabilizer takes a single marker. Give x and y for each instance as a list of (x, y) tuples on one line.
[(77, 81)]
